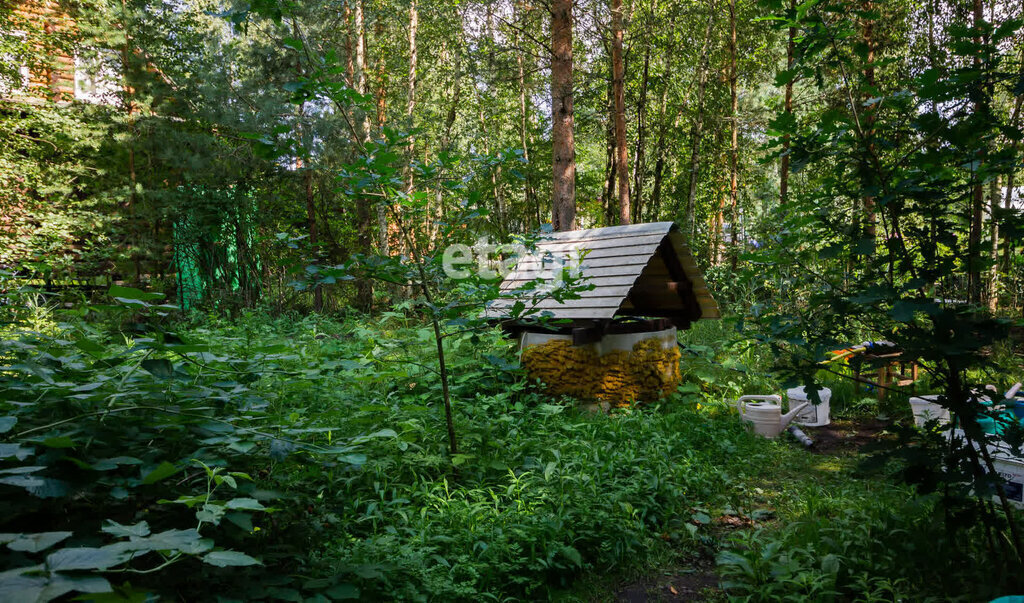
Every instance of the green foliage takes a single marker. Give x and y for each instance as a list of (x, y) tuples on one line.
[(860, 547), (910, 155), (106, 434)]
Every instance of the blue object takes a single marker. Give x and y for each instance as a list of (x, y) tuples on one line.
[(1009, 599), (1018, 408)]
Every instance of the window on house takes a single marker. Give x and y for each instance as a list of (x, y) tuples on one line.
[(98, 76), (14, 73)]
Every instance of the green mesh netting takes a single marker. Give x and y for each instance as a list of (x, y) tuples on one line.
[(214, 232)]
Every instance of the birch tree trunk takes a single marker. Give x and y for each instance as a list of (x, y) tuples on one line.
[(364, 287), (563, 209), (529, 195), (734, 148), (618, 75), (641, 134), (314, 238), (659, 147), (784, 164), (659, 150), (696, 130), (608, 197)]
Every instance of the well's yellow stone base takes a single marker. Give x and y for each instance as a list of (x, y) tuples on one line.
[(648, 372)]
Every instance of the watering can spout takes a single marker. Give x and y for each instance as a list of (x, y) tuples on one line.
[(789, 416)]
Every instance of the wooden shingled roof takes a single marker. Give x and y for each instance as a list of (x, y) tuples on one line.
[(643, 270)]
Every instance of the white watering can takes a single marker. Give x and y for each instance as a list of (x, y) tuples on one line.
[(765, 414)]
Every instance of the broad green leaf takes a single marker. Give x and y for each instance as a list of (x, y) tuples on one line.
[(115, 462), (58, 442), (34, 543), (86, 558), (340, 592), (122, 531), (22, 470), (573, 555), (60, 584), (242, 520), (7, 423), (132, 294), (830, 564), (158, 367), (460, 459), (16, 586), (245, 504), (40, 487), (229, 559), (15, 450), (187, 541), (163, 470), (210, 513), (89, 346)]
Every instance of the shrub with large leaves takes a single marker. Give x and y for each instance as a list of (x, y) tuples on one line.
[(128, 450)]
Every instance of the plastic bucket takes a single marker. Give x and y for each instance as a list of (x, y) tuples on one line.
[(813, 415), (926, 408)]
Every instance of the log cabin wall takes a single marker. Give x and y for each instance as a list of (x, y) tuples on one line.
[(56, 80)]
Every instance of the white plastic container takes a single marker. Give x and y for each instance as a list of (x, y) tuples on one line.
[(624, 342), (926, 408), (1011, 469), (811, 415), (764, 414), (1008, 466)]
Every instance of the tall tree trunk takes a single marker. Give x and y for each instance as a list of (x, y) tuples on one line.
[(734, 148), (608, 199), (659, 147), (1011, 177), (383, 234), (414, 26), (563, 209), (446, 140), (314, 238), (361, 86), (499, 194), (410, 108), (529, 195), (717, 235), (307, 180), (974, 286), (618, 77), (364, 287), (696, 129), (659, 150), (868, 201), (350, 68), (993, 271), (784, 164), (641, 134), (382, 76)]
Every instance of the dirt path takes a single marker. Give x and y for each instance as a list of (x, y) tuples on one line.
[(695, 583)]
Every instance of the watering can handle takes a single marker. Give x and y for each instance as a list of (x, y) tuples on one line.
[(741, 402)]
